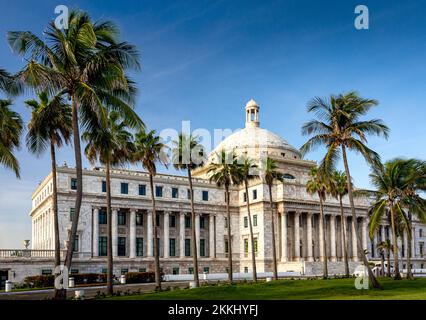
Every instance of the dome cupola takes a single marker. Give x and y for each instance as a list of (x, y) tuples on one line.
[(252, 114)]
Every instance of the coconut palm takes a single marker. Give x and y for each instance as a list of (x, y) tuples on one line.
[(248, 170), (339, 189), (10, 132), (392, 181), (224, 172), (340, 128), (110, 144), (270, 174), (318, 184), (86, 62), (50, 126), (386, 246), (188, 154), (150, 150)]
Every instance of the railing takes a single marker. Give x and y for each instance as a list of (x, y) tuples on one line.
[(38, 254)]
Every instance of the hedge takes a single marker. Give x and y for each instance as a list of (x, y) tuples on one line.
[(141, 277)]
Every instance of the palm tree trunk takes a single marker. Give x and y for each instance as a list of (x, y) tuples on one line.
[(110, 269), (274, 249), (372, 278), (324, 243), (253, 254), (194, 234), (345, 247), (155, 246), (79, 191), (397, 275), (388, 271), (382, 258), (409, 252), (228, 212), (58, 292)]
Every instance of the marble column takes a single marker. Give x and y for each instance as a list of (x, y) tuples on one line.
[(132, 252), (333, 237), (405, 239), (364, 233), (321, 242), (114, 227), (309, 236), (166, 233), (354, 242), (413, 241), (297, 236), (95, 232), (212, 248), (182, 234), (383, 231), (149, 235), (197, 233), (284, 253)]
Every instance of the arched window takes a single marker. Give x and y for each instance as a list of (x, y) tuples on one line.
[(288, 176)]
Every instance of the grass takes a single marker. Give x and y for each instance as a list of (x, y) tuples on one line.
[(332, 289)]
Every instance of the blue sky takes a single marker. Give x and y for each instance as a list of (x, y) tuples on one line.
[(203, 60)]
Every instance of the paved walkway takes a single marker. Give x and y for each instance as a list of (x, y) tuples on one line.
[(90, 292)]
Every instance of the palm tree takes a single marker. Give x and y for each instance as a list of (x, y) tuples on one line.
[(50, 125), (414, 203), (386, 246), (10, 132), (224, 173), (87, 64), (270, 174), (339, 128), (248, 171), (392, 181), (339, 189), (188, 154), (148, 151), (110, 143), (318, 184), (382, 260)]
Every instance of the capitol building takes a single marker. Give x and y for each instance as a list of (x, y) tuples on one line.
[(299, 244)]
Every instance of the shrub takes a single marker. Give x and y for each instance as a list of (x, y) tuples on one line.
[(42, 281), (141, 277)]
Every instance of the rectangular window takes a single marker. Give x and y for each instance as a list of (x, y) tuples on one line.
[(175, 193), (188, 194), (104, 270), (245, 269), (202, 247), (102, 246), (254, 194), (72, 211), (142, 269), (172, 221), (245, 222), (226, 222), (420, 233), (75, 244), (245, 197), (226, 246), (124, 188), (121, 247), (205, 195), (403, 251), (103, 186), (172, 247), (255, 220), (187, 247), (121, 218), (187, 221), (191, 270), (157, 219), (206, 270), (202, 222), (73, 184), (158, 191), (421, 248), (246, 247), (139, 218), (255, 245), (142, 190), (46, 272), (175, 271), (74, 271), (139, 247), (124, 271), (102, 216)]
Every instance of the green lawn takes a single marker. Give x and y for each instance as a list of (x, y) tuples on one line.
[(333, 289)]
